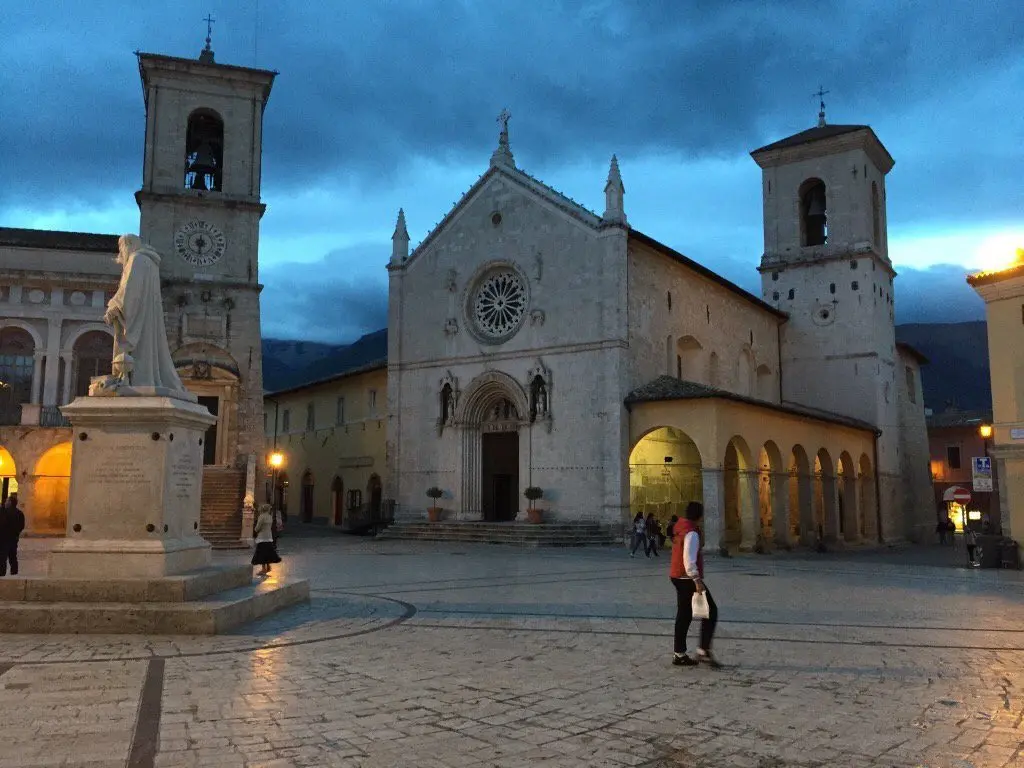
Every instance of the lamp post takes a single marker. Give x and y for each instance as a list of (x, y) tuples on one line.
[(276, 461), (985, 431)]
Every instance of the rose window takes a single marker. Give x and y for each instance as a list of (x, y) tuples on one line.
[(499, 303)]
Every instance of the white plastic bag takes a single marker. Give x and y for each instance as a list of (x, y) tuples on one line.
[(699, 604)]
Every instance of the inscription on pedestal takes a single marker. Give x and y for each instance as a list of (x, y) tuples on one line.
[(119, 468), (184, 474)]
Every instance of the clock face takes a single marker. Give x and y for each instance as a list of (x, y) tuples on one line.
[(199, 243)]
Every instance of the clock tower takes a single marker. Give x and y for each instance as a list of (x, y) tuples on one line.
[(200, 207)]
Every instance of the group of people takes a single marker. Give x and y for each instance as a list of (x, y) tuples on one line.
[(686, 571), (12, 523)]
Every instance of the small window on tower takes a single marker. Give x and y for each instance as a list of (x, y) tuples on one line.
[(669, 295), (831, 287), (204, 151), (855, 285), (775, 275), (775, 296), (813, 213), (792, 293)]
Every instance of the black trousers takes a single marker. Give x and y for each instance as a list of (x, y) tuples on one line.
[(685, 589), (8, 553)]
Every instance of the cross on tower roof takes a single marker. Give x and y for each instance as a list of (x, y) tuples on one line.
[(821, 106), (206, 55)]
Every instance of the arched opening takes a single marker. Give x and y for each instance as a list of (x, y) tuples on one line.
[(813, 213), (17, 357), (337, 501), (714, 376), (500, 462), (876, 215), (801, 512), (91, 356), (281, 494), (374, 491), (764, 390), (306, 499), (771, 495), (688, 359), (740, 502), (204, 151), (849, 509), (8, 475), (868, 500), (744, 372), (51, 481), (664, 474), (824, 497)]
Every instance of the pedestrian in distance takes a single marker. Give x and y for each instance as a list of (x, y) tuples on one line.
[(653, 528), (639, 534), (940, 528), (972, 547), (266, 553), (12, 523), (687, 574)]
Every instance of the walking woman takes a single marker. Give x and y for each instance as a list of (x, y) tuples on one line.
[(266, 552), (687, 574), (639, 534)]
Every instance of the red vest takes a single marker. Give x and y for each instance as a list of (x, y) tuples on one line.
[(677, 570)]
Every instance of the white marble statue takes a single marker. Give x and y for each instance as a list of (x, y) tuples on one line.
[(142, 357)]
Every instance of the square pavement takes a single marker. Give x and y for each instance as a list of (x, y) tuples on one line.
[(445, 654)]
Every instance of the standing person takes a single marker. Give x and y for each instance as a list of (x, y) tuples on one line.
[(942, 530), (639, 534), (266, 552), (687, 574), (12, 523), (972, 545), (653, 530)]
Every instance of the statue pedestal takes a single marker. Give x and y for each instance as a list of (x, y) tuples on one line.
[(136, 483)]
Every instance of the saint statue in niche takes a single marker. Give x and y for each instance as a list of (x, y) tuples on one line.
[(538, 398), (447, 404), (136, 314)]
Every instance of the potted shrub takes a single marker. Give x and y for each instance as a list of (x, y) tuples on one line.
[(533, 493), (434, 513)]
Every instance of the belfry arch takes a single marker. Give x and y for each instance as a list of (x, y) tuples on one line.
[(491, 416)]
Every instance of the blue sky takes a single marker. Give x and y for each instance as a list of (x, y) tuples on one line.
[(382, 104)]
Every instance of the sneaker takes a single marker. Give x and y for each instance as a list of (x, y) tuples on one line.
[(682, 660), (705, 657)]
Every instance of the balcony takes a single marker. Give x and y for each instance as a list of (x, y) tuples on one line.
[(32, 415)]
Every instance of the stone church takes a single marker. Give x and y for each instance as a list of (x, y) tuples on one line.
[(200, 207), (535, 343)]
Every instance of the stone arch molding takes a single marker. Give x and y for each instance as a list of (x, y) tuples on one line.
[(79, 331), (483, 391), (31, 330)]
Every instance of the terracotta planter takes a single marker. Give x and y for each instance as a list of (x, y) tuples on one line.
[(535, 515), (434, 514)]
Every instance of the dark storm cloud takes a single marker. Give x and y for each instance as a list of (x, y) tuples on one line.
[(323, 301), (939, 294), (366, 86)]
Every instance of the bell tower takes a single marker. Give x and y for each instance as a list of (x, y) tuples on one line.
[(200, 207)]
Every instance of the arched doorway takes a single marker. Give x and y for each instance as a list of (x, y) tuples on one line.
[(90, 356), (8, 475), (337, 501), (801, 511), (740, 478), (824, 497), (491, 412), (771, 495), (17, 360), (374, 492), (51, 481), (306, 500), (665, 474), (868, 499), (848, 512), (212, 375)]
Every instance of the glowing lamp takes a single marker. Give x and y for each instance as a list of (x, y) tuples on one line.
[(276, 459), (985, 430), (973, 515)]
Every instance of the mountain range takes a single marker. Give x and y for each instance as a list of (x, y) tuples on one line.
[(956, 374)]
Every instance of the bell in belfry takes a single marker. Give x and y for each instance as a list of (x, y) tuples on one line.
[(204, 165), (816, 201)]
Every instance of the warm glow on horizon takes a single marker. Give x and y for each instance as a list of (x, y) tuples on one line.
[(998, 252)]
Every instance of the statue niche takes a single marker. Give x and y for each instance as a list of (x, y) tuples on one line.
[(448, 399), (540, 394)]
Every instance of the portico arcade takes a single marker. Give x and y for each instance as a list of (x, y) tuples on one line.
[(750, 465)]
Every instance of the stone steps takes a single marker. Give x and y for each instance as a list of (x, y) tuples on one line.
[(513, 534), (207, 615), (220, 520)]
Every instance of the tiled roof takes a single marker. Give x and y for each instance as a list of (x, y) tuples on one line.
[(670, 388), (702, 270), (374, 365), (953, 418), (984, 278), (913, 352), (811, 134), (54, 240)]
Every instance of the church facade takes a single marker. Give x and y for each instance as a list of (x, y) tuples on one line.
[(200, 207), (534, 343)]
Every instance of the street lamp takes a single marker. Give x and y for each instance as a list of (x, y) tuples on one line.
[(276, 461), (985, 430)]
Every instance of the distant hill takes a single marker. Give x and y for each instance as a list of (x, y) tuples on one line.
[(957, 372)]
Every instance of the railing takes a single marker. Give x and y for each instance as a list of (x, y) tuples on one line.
[(50, 416)]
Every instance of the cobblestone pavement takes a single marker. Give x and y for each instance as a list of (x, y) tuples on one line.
[(432, 654)]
